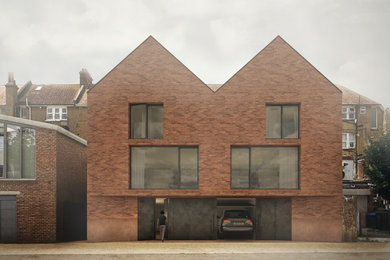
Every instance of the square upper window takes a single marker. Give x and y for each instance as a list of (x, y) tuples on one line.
[(348, 113), (146, 121), (282, 121)]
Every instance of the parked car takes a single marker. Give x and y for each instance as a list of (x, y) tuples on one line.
[(236, 221)]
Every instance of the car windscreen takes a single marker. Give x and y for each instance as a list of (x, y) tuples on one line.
[(236, 214)]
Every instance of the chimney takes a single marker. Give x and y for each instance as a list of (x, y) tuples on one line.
[(11, 92), (85, 79)]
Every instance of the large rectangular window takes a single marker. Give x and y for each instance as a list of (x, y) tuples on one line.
[(282, 121), (17, 152), (146, 121), (164, 168), (264, 167)]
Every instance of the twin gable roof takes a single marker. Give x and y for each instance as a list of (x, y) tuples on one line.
[(278, 47)]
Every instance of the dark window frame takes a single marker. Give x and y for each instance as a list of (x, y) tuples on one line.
[(147, 105), (281, 120), (179, 164), (249, 168), (5, 135)]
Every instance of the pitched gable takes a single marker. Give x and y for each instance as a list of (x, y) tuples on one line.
[(150, 62), (277, 64)]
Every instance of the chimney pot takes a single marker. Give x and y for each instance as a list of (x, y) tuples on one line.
[(11, 77)]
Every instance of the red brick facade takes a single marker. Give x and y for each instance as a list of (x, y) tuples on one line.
[(214, 121), (60, 176)]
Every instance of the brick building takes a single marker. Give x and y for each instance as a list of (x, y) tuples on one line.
[(363, 119), (60, 104), (42, 182), (268, 140)]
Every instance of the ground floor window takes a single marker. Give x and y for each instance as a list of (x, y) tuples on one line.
[(264, 167), (164, 168)]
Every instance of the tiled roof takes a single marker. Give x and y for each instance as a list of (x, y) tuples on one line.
[(54, 94), (351, 97)]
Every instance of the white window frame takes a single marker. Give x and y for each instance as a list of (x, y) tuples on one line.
[(56, 113), (348, 141), (346, 112), (363, 110)]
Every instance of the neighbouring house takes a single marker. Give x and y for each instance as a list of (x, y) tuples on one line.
[(387, 120), (268, 141), (60, 104), (42, 182), (363, 119)]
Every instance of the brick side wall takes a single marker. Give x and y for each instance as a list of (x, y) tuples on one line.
[(317, 218), (112, 218), (71, 183), (36, 204), (234, 115)]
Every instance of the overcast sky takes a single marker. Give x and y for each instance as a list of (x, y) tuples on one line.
[(50, 41)]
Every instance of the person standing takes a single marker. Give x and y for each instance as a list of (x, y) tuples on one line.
[(162, 224)]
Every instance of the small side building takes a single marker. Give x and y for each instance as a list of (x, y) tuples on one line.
[(42, 182)]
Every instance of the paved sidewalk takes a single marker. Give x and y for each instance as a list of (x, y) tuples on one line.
[(196, 250)]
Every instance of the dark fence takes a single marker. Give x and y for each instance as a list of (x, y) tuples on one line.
[(379, 220)]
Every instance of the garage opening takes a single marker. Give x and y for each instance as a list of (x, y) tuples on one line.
[(236, 218), (216, 218), (7, 218)]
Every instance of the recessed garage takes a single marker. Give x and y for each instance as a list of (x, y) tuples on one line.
[(202, 218)]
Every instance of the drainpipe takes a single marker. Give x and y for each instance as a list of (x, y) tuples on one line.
[(356, 139), (29, 109)]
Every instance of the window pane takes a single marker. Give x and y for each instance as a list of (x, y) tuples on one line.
[(240, 168), (189, 168), (155, 168), (274, 167), (264, 167), (28, 153), (13, 152), (290, 122), (373, 118), (1, 150), (138, 121), (155, 122), (288, 168), (273, 119)]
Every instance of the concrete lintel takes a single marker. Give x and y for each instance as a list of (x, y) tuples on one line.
[(356, 192), (9, 193)]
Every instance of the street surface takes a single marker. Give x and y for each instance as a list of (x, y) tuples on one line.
[(197, 250)]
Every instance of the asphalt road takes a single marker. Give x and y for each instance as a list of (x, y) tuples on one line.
[(197, 250)]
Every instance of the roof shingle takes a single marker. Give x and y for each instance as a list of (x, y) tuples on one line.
[(54, 94)]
